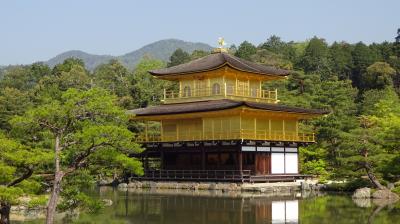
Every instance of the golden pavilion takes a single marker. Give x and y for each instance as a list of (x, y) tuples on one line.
[(221, 125)]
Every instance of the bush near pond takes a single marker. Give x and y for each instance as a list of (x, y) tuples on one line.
[(349, 186)]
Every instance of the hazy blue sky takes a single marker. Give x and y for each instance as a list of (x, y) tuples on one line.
[(38, 30)]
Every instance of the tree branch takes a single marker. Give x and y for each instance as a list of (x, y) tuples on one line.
[(46, 124), (81, 159), (21, 178)]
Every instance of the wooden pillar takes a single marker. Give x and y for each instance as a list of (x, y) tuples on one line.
[(240, 160), (219, 159), (203, 158), (146, 130), (195, 90), (146, 162), (225, 89), (236, 86), (161, 131), (248, 88), (180, 90), (142, 160), (269, 129), (162, 159), (255, 128)]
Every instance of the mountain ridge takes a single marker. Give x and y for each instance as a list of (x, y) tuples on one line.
[(161, 50)]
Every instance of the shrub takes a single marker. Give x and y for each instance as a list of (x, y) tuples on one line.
[(39, 201), (30, 186), (349, 186), (396, 190)]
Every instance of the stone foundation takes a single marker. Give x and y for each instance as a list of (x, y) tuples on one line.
[(284, 187)]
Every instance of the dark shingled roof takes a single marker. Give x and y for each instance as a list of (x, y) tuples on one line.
[(216, 60), (215, 105)]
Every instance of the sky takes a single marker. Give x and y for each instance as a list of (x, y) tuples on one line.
[(37, 30)]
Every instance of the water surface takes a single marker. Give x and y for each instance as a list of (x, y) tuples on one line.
[(215, 207)]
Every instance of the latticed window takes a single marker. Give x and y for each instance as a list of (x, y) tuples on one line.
[(254, 92), (186, 92), (216, 89), (230, 88)]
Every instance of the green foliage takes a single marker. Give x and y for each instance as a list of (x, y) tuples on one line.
[(38, 201), (10, 195), (276, 45), (31, 186), (349, 186), (90, 120), (12, 102), (341, 59), (17, 159), (74, 195), (245, 50), (396, 190), (74, 198), (148, 90), (362, 58), (315, 58), (84, 124), (17, 165), (378, 76), (70, 74), (313, 162), (23, 78), (114, 77), (267, 57), (196, 54), (374, 99), (178, 57)]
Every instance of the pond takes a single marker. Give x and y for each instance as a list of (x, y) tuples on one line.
[(209, 207)]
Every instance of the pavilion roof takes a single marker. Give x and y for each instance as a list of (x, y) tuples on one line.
[(215, 105), (217, 60)]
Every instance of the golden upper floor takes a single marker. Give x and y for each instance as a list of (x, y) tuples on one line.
[(233, 124), (220, 76), (223, 120)]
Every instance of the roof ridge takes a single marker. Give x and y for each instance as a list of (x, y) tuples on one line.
[(241, 62), (215, 61)]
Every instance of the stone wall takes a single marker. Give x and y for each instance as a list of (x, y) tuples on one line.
[(242, 187)]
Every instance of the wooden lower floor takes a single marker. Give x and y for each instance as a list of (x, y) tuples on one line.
[(233, 161), (217, 176)]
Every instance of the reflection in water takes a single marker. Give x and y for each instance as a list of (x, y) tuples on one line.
[(285, 211), (209, 207), (215, 207)]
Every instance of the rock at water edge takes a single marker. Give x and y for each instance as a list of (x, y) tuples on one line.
[(364, 192)]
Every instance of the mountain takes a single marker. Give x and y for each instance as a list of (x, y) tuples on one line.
[(91, 60), (161, 50)]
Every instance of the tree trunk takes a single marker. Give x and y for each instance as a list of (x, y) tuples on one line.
[(368, 169), (372, 177), (5, 213), (58, 176), (375, 213)]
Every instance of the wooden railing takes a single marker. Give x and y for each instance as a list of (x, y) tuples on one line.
[(228, 92), (200, 175), (242, 134), (217, 175)]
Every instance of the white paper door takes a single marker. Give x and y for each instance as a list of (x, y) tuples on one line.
[(277, 163), (291, 163)]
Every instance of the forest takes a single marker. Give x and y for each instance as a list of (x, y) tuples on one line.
[(72, 122)]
